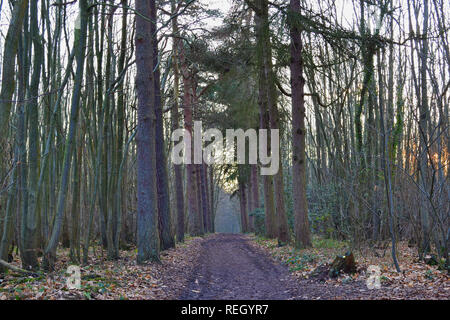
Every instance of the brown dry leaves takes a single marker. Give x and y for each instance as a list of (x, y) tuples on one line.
[(101, 279), (416, 281), (124, 279)]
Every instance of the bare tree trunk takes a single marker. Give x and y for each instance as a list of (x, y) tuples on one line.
[(280, 219), (179, 190), (301, 227), (30, 227), (249, 197), (8, 83), (423, 132), (388, 183), (211, 186), (121, 105), (9, 56), (80, 44), (254, 191), (262, 33), (200, 199), (107, 179), (147, 219), (191, 169), (243, 206), (205, 198), (164, 213), (75, 214)]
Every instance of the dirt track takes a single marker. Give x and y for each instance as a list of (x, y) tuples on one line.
[(230, 268)]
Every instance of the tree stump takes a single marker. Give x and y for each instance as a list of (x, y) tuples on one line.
[(345, 263), (431, 260)]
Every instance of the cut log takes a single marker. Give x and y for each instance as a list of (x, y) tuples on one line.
[(431, 260), (345, 263), (19, 270)]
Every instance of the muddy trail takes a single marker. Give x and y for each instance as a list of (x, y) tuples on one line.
[(230, 268)]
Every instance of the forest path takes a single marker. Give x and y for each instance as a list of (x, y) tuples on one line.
[(230, 268)]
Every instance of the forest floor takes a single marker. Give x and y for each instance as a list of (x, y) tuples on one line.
[(309, 267), (233, 266), (109, 280)]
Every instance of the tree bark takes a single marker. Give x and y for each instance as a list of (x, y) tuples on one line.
[(423, 133), (243, 206), (147, 220), (9, 56), (164, 213), (191, 169), (179, 190), (80, 45), (262, 32), (300, 206)]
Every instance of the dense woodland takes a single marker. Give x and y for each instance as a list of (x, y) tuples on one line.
[(91, 91)]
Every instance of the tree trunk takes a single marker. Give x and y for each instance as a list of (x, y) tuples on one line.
[(30, 227), (262, 32), (147, 216), (80, 45), (423, 133), (191, 170), (254, 191), (164, 215), (121, 106), (243, 206), (300, 207), (179, 190), (8, 68)]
